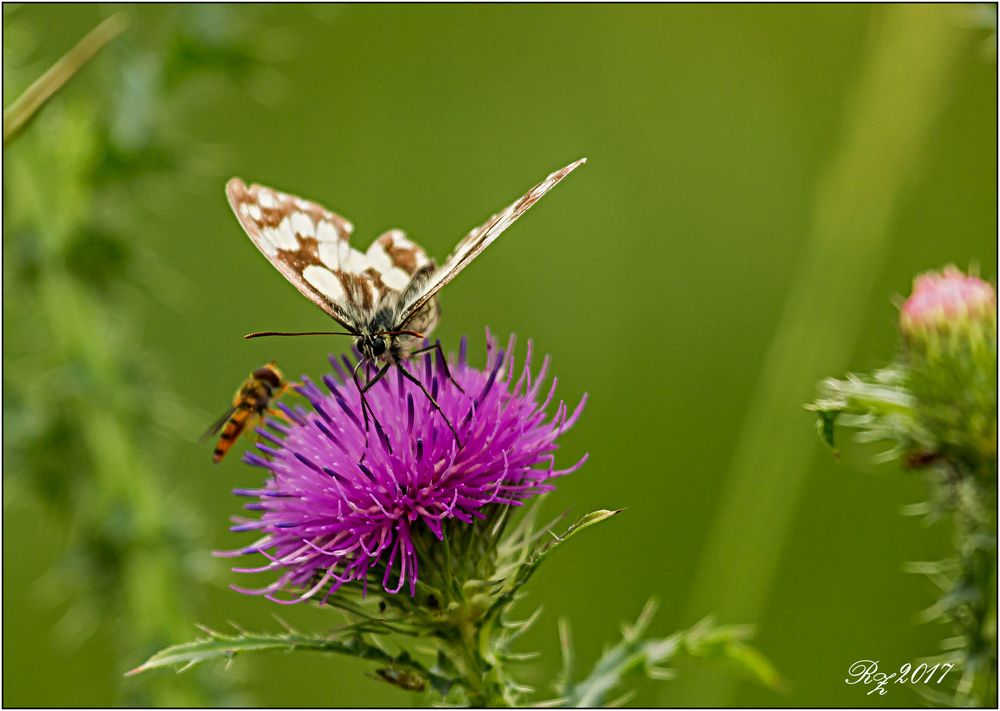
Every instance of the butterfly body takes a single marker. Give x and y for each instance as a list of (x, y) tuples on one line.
[(385, 297), (383, 334), (250, 403)]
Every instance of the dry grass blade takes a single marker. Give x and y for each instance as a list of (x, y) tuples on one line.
[(41, 90)]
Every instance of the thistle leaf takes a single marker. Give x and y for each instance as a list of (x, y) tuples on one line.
[(825, 421), (217, 645), (534, 558), (879, 405), (635, 654)]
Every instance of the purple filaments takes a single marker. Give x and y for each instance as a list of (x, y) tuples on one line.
[(339, 506)]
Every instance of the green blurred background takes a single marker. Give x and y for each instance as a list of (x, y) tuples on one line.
[(761, 182)]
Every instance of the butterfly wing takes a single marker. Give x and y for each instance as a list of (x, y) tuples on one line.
[(418, 296), (309, 245), (392, 260)]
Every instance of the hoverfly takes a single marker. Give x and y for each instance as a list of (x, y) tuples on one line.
[(386, 297), (250, 403)]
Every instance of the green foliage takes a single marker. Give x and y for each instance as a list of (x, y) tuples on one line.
[(470, 582), (217, 645), (523, 555), (466, 630), (89, 412), (636, 654), (878, 405)]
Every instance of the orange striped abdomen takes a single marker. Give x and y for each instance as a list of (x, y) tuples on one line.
[(250, 402)]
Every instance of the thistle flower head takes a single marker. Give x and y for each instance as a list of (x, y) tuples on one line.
[(946, 301), (342, 506)]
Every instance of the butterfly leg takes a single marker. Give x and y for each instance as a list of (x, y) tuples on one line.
[(378, 376), (364, 400), (408, 376), (443, 361), (362, 389)]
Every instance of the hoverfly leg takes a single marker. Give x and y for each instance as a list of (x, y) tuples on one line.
[(279, 414)]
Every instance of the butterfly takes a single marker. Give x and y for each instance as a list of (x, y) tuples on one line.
[(250, 403), (386, 296)]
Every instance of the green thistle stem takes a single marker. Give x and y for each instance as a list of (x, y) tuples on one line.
[(484, 679), (976, 585), (466, 649)]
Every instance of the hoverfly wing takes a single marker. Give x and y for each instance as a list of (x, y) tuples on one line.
[(418, 296), (217, 425)]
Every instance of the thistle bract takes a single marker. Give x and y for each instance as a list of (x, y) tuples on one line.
[(344, 504)]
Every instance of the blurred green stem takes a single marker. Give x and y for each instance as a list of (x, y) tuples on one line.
[(975, 525), (121, 470), (133, 543), (150, 576), (41, 90), (902, 88)]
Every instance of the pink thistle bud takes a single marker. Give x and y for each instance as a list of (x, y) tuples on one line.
[(949, 326), (945, 302)]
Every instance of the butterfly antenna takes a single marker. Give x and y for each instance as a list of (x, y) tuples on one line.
[(261, 334), (415, 334)]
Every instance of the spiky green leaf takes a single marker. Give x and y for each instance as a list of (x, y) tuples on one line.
[(533, 558), (217, 645), (636, 654)]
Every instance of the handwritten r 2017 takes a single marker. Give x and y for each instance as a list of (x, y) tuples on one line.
[(865, 672)]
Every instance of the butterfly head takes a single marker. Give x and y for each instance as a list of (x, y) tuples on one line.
[(374, 346)]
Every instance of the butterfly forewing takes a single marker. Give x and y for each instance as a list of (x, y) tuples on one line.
[(311, 246), (385, 296), (476, 241)]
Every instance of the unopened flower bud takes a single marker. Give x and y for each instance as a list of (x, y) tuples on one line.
[(948, 303), (949, 329)]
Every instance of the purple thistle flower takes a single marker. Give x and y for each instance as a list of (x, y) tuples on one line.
[(341, 507)]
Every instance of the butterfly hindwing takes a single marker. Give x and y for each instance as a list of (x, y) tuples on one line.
[(393, 260)]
